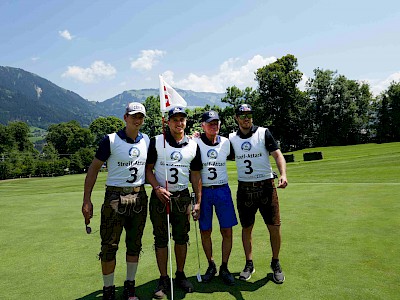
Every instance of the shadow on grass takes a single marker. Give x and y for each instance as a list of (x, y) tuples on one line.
[(145, 291)]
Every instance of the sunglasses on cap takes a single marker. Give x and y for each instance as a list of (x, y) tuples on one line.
[(245, 116)]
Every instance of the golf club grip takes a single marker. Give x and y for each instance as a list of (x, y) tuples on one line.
[(193, 197)]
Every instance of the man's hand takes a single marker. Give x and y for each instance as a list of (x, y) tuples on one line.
[(87, 211), (196, 211), (195, 134), (282, 183), (163, 194)]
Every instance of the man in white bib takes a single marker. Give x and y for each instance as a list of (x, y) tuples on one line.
[(125, 201), (252, 146), (215, 194), (181, 156)]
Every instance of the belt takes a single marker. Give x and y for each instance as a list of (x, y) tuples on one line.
[(214, 186), (125, 189), (256, 183), (178, 193)]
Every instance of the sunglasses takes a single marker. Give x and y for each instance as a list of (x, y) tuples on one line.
[(245, 116)]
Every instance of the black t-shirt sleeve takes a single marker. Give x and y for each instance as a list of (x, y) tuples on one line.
[(270, 142), (196, 164), (152, 152), (104, 150), (231, 155)]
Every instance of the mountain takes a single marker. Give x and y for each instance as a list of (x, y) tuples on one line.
[(38, 102), (30, 98)]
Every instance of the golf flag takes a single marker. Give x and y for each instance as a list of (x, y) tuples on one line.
[(169, 98)]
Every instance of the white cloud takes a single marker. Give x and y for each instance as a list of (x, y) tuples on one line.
[(378, 86), (96, 71), (302, 83), (35, 58), (231, 72), (66, 35), (147, 59), (169, 77)]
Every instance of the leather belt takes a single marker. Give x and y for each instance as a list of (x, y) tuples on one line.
[(256, 183), (179, 193), (125, 189), (214, 186)]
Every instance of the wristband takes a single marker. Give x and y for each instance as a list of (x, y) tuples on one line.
[(157, 187)]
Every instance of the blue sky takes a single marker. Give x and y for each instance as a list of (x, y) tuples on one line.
[(99, 49)]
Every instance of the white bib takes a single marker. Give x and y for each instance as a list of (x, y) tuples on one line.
[(252, 158), (126, 164), (178, 164), (214, 162)]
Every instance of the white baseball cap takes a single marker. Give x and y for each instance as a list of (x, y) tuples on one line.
[(134, 108)]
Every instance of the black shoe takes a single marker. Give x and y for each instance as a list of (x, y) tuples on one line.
[(109, 292), (277, 273), (210, 273), (226, 276), (183, 282), (129, 290), (247, 271), (163, 287)]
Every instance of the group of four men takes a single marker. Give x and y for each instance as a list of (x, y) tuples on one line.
[(168, 163)]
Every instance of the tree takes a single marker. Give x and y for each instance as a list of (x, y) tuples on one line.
[(6, 139), (153, 122), (49, 152), (20, 133), (103, 126), (228, 123), (86, 156), (69, 137), (388, 115), (81, 138), (76, 164), (340, 109), (233, 96), (280, 102)]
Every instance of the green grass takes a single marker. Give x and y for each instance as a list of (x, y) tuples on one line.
[(340, 229), (37, 134)]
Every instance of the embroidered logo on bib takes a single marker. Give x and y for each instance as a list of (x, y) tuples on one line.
[(134, 152), (246, 146), (212, 154), (176, 156)]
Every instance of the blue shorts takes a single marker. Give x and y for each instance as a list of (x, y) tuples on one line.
[(221, 198)]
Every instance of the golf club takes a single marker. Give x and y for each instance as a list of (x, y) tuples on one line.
[(88, 229), (197, 239), (168, 207)]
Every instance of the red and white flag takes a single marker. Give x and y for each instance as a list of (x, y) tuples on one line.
[(169, 98)]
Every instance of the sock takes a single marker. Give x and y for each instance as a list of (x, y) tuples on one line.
[(211, 263), (249, 261), (131, 269), (108, 279), (274, 261), (224, 266)]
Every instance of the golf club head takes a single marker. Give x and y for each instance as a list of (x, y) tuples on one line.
[(199, 277)]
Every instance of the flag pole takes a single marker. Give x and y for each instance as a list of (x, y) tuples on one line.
[(168, 98), (168, 208)]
